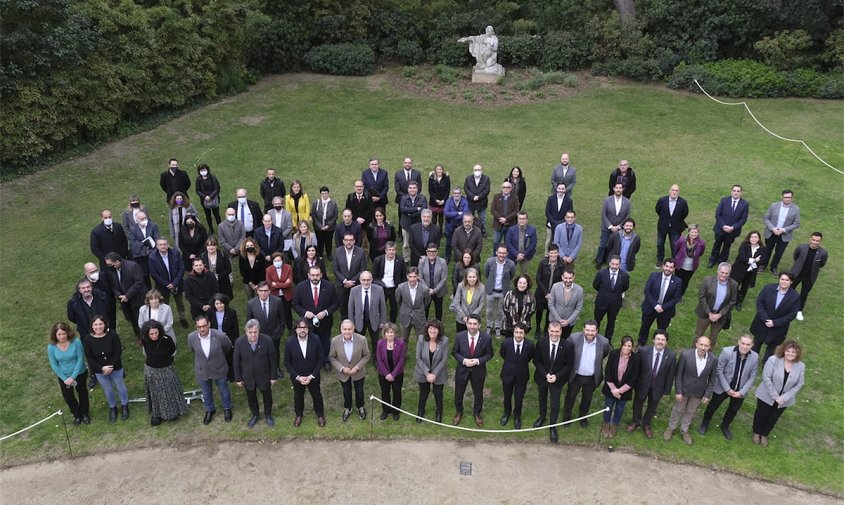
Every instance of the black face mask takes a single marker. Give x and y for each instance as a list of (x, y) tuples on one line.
[(190, 225), (135, 205), (278, 207), (250, 249)]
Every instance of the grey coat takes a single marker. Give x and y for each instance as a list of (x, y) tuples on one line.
[(687, 382), (411, 313), (506, 279), (463, 308), (792, 220), (772, 379), (286, 226), (601, 352), (726, 369), (558, 309), (437, 366), (377, 307), (213, 367), (437, 283), (608, 214)]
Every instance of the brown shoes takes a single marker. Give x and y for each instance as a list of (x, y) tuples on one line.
[(764, 441), (648, 431), (297, 422), (687, 438), (756, 438), (321, 421), (632, 427), (612, 430), (668, 434), (479, 421), (457, 418), (605, 430)]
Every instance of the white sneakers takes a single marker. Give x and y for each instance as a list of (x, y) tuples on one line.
[(800, 315)]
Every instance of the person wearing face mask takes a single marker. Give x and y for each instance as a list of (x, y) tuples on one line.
[(130, 213), (476, 187), (252, 265), (271, 188), (174, 180), (192, 239), (107, 237), (279, 276), (246, 211), (231, 234), (208, 191), (99, 281), (142, 238), (180, 208), (281, 218), (200, 288)]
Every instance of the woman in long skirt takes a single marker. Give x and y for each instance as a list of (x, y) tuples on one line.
[(165, 396)]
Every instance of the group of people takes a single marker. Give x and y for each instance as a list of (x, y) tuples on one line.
[(285, 249)]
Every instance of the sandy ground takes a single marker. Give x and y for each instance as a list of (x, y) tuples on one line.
[(319, 472)]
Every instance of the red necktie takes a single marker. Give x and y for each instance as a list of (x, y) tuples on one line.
[(316, 298), (471, 346)]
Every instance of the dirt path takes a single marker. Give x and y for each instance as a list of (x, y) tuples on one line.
[(320, 472)]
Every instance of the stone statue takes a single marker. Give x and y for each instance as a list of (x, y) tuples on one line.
[(484, 48)]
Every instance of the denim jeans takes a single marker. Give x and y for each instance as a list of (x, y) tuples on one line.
[(498, 238), (613, 416), (109, 382), (208, 393)]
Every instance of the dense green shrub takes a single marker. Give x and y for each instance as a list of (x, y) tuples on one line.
[(519, 50), (395, 35), (786, 50), (280, 46), (564, 50), (341, 59)]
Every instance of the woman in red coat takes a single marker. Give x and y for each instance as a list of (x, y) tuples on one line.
[(280, 278)]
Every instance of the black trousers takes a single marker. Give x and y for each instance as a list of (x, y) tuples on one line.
[(685, 277), (81, 406), (586, 383), (770, 348), (554, 390), (325, 244), (299, 397), (766, 417), (611, 312), (216, 211), (438, 307), (673, 236), (516, 388), (716, 401), (425, 390), (390, 295), (542, 310), (347, 393), (391, 392), (345, 293), (252, 400), (131, 315), (476, 378), (777, 246), (721, 247), (807, 288), (662, 322), (639, 399)]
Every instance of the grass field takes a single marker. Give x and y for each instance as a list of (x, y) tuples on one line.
[(322, 131)]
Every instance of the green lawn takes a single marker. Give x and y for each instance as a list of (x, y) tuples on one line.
[(322, 131)]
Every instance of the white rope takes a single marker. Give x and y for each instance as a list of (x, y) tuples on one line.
[(478, 430), (54, 414), (766, 129)]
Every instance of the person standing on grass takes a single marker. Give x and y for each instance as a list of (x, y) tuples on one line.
[(472, 350), (808, 260), (521, 241), (516, 353), (505, 208), (401, 182), (376, 181), (410, 209), (67, 360), (247, 211), (776, 307), (625, 176), (656, 377), (389, 361), (210, 348), (569, 238), (272, 187), (469, 237), (103, 351), (716, 299), (587, 372), (566, 302), (303, 358), (781, 219), (734, 376), (349, 355), (672, 211), (455, 208), (662, 294), (499, 272), (174, 180), (621, 374), (625, 244), (730, 216), (610, 284), (208, 190), (615, 211), (549, 270), (564, 173), (693, 385), (324, 213), (782, 379), (255, 361), (477, 187), (556, 207)]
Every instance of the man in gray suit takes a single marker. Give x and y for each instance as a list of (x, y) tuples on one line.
[(693, 385), (368, 308), (615, 211), (565, 303), (734, 376), (569, 238), (564, 173), (412, 297), (587, 371), (348, 262), (434, 272), (781, 219), (716, 299), (349, 355), (210, 347), (498, 272)]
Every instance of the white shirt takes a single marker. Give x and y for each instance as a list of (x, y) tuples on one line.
[(499, 276), (303, 344), (205, 343), (412, 291), (586, 367), (671, 204), (700, 363), (783, 214), (349, 348), (349, 254), (389, 273), (560, 200)]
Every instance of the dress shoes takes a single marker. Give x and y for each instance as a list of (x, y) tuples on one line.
[(297, 421), (725, 429), (438, 417), (632, 427), (584, 423), (505, 419), (183, 323), (539, 422), (252, 421), (419, 415), (553, 435), (77, 420), (280, 373), (209, 415), (346, 415), (227, 415), (517, 423), (457, 418), (687, 438), (92, 381), (479, 421), (384, 415), (86, 419), (613, 430), (605, 430), (649, 432), (321, 421), (155, 421), (269, 419), (362, 413), (395, 416), (738, 306), (704, 427), (710, 263)]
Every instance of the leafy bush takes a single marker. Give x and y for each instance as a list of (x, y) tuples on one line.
[(280, 46), (519, 50), (408, 71), (564, 50), (395, 36), (341, 59), (446, 74), (786, 50), (409, 52)]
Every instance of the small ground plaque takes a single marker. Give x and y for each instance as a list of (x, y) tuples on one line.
[(465, 468)]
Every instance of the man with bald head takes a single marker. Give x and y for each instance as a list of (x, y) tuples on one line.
[(564, 173), (671, 211), (108, 237), (247, 211), (142, 237)]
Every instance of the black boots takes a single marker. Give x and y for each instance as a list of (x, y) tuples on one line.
[(125, 414), (112, 414)]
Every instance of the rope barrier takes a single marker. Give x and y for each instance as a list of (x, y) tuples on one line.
[(480, 430), (766, 129), (54, 414)]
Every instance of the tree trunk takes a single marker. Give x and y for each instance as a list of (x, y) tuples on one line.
[(626, 11)]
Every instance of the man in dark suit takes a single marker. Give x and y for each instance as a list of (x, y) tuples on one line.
[(302, 357), (553, 358), (268, 310), (657, 365), (347, 226), (625, 244), (808, 260), (402, 179), (716, 299), (610, 284), (589, 349), (269, 238), (256, 369), (368, 308), (663, 292), (410, 212), (107, 237), (142, 237), (693, 386), (730, 216), (549, 272), (504, 209), (248, 211), (615, 210), (422, 234), (476, 187), (316, 301), (348, 262), (472, 349), (86, 303), (469, 237), (672, 211), (99, 279), (173, 179), (324, 213), (360, 203), (388, 271), (210, 348), (168, 271), (734, 376), (376, 181), (776, 306), (521, 241), (555, 212), (127, 285), (271, 187), (517, 353)]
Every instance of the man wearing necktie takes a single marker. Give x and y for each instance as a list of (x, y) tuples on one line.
[(656, 377), (553, 360), (517, 353), (610, 284), (368, 308), (267, 309), (663, 291), (402, 178), (472, 350), (256, 369), (730, 216)]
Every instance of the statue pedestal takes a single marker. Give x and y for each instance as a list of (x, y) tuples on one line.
[(486, 78)]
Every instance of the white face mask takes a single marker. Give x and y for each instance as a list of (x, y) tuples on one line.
[(477, 173), (231, 218), (143, 222), (108, 221), (94, 277), (241, 200), (203, 173), (277, 264)]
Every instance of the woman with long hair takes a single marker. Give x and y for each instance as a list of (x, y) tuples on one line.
[(431, 370), (749, 262), (782, 379), (439, 186), (180, 207), (621, 374), (378, 233), (165, 396), (519, 305), (220, 265), (208, 190), (103, 351), (67, 360), (253, 266), (517, 180), (468, 299), (297, 203), (688, 251), (389, 361)]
